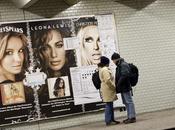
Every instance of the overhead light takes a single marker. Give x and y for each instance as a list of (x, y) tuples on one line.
[(23, 3)]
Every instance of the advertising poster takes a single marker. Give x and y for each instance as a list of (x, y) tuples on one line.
[(46, 66), (16, 99), (54, 59)]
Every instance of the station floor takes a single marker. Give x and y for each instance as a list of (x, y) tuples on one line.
[(160, 120)]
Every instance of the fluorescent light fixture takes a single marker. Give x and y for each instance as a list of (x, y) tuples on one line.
[(23, 3)]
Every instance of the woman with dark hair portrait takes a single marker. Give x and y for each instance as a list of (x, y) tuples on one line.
[(54, 59), (89, 45), (13, 56), (59, 88), (51, 55)]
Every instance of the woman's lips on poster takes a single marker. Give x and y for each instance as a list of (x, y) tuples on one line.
[(17, 66), (54, 63), (96, 56)]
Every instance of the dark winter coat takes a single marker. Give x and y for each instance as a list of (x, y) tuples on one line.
[(122, 77)]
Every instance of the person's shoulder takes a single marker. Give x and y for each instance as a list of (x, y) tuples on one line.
[(125, 66), (104, 69), (123, 62)]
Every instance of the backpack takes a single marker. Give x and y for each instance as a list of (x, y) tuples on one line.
[(134, 74), (96, 80)]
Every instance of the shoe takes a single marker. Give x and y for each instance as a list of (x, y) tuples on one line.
[(116, 122), (108, 123), (112, 123), (127, 121)]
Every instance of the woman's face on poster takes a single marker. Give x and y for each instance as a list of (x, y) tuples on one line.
[(55, 51), (61, 90), (61, 84), (13, 59), (91, 44)]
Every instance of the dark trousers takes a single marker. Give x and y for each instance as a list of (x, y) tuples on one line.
[(109, 112)]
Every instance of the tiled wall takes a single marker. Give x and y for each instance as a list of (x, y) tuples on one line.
[(146, 36)]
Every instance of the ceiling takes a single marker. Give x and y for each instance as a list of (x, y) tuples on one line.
[(28, 3)]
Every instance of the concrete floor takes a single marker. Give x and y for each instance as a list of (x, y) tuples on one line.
[(159, 120)]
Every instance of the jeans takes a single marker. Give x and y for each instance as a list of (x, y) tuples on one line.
[(129, 104), (109, 112)]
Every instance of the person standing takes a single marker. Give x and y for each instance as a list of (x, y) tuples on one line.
[(107, 90), (123, 86)]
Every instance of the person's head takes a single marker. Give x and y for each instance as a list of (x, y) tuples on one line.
[(104, 61), (13, 56), (89, 45), (115, 58), (51, 49), (59, 88)]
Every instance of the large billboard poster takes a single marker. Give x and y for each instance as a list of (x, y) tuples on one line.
[(46, 66)]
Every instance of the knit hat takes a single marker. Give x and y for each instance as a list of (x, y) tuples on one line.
[(115, 56), (104, 60)]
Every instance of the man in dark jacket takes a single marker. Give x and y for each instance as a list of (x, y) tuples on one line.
[(123, 86)]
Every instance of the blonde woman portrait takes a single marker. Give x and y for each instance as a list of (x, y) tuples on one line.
[(90, 49), (13, 56)]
